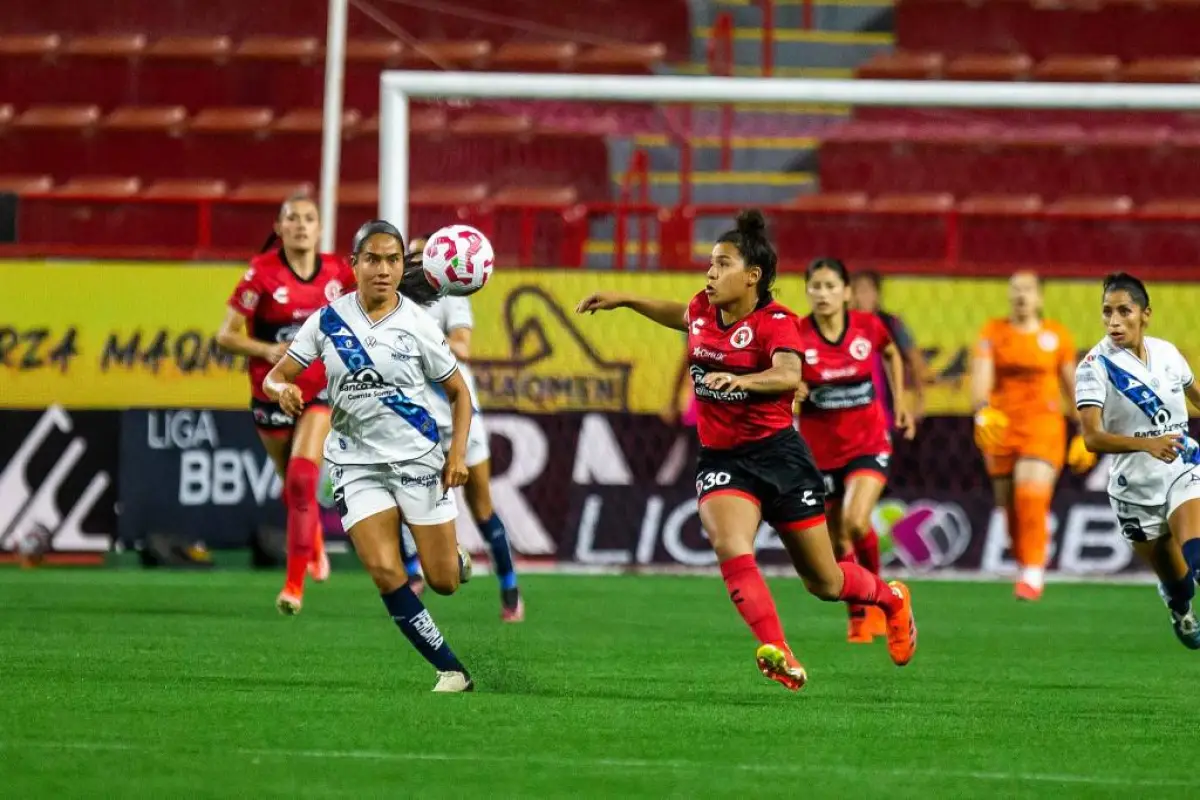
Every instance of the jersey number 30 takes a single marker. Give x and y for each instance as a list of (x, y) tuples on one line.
[(711, 480)]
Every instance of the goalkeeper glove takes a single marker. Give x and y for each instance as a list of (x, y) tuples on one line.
[(1079, 458), (990, 426)]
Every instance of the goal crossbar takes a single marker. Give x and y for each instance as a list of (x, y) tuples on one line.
[(398, 87)]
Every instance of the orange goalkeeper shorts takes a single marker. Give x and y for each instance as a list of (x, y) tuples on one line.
[(1043, 438)]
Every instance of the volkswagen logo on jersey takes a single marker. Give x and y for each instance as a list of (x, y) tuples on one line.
[(860, 348), (742, 337)]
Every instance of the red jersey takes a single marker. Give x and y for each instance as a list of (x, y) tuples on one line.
[(727, 419), (843, 418), (275, 302)]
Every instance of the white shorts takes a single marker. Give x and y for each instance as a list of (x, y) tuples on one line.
[(1146, 523), (477, 441), (414, 487)]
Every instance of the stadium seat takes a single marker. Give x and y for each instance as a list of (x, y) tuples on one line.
[(902, 65), (187, 189), (124, 45), (189, 70), (50, 139), (449, 54), (486, 124), (535, 56), (108, 187), (1001, 204), (1163, 70), (622, 59), (312, 121), (424, 120), (213, 49), (277, 71), (988, 67), (38, 45), (270, 191), (26, 184), (144, 140), (830, 201), (450, 194), (232, 120), (1077, 69), (365, 60), (1188, 207), (527, 221), (27, 62)]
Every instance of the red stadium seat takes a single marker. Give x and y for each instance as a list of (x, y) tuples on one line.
[(312, 121), (1163, 70), (108, 187), (917, 203), (535, 56), (162, 119), (449, 194), (270, 191), (1001, 204), (55, 140), (215, 49), (40, 45), (989, 67), (491, 124), (146, 140), (1171, 207), (365, 60), (124, 45), (625, 59), (831, 201), (360, 193), (903, 65), (74, 118), (277, 71), (27, 63), (531, 214), (188, 189), (279, 48), (425, 120), (1086, 204), (189, 70), (232, 120), (1077, 69), (26, 184), (449, 54)]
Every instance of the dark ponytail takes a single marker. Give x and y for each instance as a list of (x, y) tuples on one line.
[(750, 238), (413, 283)]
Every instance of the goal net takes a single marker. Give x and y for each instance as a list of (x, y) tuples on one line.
[(944, 189)]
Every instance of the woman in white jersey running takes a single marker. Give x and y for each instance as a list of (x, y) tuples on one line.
[(383, 354), (454, 317), (1130, 392)]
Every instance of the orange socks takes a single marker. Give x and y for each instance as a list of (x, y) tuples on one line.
[(1030, 535)]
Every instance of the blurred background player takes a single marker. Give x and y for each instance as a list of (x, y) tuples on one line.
[(744, 350), (866, 294), (384, 452), (454, 316), (1024, 366), (1130, 392), (280, 290), (842, 417)]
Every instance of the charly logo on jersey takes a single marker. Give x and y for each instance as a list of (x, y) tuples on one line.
[(860, 348), (742, 337), (697, 324), (280, 295), (1048, 341)]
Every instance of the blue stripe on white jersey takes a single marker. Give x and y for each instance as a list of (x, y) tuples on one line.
[(356, 358), (1136, 392)]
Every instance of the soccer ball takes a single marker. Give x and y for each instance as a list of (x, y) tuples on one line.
[(458, 260)]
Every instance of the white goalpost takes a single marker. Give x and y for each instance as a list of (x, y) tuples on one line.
[(398, 88)]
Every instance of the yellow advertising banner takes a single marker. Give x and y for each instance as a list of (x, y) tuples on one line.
[(113, 335)]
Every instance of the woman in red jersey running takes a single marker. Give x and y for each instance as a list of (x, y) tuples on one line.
[(279, 291), (843, 418), (744, 355)]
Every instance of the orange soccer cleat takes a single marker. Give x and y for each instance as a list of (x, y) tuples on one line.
[(777, 663), (876, 621), (901, 627), (858, 627), (289, 601), (1027, 592)]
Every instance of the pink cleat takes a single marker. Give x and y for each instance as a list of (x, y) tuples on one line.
[(318, 568), (514, 613)]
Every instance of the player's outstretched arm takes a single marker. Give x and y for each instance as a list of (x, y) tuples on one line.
[(783, 376), (280, 386), (667, 313), (455, 473), (894, 367), (233, 336), (1165, 448)]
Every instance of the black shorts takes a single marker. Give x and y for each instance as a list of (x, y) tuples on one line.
[(778, 473), (835, 479), (270, 418)]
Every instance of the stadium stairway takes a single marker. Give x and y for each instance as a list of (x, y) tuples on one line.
[(773, 148)]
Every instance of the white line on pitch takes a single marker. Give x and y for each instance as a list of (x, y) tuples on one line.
[(609, 763)]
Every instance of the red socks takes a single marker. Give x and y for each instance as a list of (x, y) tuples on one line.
[(862, 587), (303, 517), (867, 551), (752, 598)]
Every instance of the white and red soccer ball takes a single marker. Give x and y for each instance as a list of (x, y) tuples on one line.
[(458, 260)]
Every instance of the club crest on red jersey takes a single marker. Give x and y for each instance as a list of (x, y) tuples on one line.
[(860, 348), (742, 337), (333, 290)]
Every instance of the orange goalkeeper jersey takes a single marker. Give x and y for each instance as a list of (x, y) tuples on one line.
[(1027, 367)]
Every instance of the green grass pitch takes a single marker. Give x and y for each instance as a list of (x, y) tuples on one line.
[(135, 684)]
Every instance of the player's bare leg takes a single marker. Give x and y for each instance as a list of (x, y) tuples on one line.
[(863, 490), (377, 542), (833, 580), (478, 494), (1032, 490), (731, 520)]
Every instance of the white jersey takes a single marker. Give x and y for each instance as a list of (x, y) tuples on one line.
[(1141, 400), (452, 313), (380, 377)]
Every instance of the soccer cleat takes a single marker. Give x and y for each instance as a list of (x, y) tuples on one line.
[(512, 606), (318, 568), (1027, 592), (777, 663), (451, 682), (288, 603), (858, 630), (901, 627), (465, 567), (1187, 629), (876, 621)]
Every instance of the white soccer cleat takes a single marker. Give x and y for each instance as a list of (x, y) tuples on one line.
[(288, 604), (466, 567), (451, 682)]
